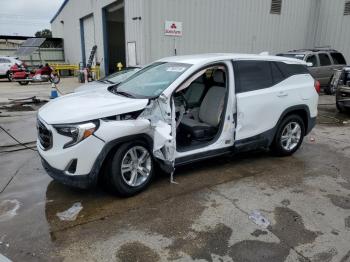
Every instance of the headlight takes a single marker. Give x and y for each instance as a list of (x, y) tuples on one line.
[(78, 132)]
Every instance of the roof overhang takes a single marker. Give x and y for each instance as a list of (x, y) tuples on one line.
[(59, 11)]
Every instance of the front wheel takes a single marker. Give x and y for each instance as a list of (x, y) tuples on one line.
[(340, 107), (131, 169), (289, 136)]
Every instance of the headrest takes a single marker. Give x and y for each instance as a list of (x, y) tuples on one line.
[(219, 76)]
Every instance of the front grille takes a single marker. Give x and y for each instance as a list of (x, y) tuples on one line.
[(44, 135)]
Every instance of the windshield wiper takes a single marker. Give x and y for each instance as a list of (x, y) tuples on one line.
[(123, 93), (106, 81)]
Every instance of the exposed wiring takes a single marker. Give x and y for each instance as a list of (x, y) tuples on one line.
[(15, 139)]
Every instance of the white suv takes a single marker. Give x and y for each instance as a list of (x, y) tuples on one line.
[(176, 111), (6, 62)]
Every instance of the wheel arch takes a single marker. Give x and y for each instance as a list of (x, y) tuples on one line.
[(300, 110), (111, 146)]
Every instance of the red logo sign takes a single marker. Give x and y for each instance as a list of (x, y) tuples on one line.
[(173, 26)]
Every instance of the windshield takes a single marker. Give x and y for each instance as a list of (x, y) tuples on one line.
[(297, 56), (152, 80), (120, 76)]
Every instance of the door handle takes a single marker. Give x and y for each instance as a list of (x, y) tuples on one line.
[(282, 94)]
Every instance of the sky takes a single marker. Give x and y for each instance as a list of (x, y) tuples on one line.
[(25, 17)]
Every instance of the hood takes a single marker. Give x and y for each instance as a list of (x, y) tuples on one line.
[(91, 86), (84, 106)]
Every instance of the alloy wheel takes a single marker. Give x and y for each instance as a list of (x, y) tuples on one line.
[(136, 166)]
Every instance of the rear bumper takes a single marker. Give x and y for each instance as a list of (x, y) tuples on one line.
[(311, 124)]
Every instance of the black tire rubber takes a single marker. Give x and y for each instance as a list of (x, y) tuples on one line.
[(23, 83), (340, 107), (9, 76), (113, 179), (276, 146)]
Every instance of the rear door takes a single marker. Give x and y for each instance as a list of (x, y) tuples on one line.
[(326, 68), (264, 90)]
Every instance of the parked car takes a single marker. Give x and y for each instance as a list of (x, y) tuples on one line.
[(322, 64), (176, 111), (107, 81), (6, 62), (342, 83)]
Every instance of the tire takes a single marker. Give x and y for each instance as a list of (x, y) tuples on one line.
[(23, 83), (9, 76), (280, 143), (340, 107), (121, 182)]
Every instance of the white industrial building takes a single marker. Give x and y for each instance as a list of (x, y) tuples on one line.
[(136, 32)]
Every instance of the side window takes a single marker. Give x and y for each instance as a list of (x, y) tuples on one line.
[(338, 59), (277, 74), (289, 70), (7, 61), (324, 60), (313, 60), (1, 61), (252, 75)]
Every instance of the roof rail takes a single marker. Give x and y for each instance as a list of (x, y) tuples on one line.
[(316, 49)]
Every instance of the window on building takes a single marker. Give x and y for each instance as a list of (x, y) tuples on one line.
[(324, 60), (347, 8), (338, 59), (276, 7), (313, 60)]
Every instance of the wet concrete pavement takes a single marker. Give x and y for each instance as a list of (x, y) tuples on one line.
[(205, 217)]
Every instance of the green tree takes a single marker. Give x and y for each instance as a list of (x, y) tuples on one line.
[(46, 33)]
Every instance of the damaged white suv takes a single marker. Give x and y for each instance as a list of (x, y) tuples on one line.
[(176, 111)]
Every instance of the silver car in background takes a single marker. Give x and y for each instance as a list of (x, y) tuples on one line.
[(323, 63), (109, 80)]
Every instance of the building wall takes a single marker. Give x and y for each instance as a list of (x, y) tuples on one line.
[(226, 26), (70, 29), (333, 28), (211, 26)]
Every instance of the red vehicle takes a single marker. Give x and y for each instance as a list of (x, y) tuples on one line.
[(23, 75)]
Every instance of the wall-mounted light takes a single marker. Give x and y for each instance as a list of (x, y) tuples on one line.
[(62, 22), (136, 18)]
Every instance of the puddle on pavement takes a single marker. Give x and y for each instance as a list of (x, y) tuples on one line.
[(340, 201), (329, 115), (8, 209), (136, 251)]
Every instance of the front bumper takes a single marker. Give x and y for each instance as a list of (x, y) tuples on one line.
[(79, 181)]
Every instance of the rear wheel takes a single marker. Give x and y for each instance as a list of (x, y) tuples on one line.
[(131, 169), (9, 76), (289, 136), (23, 83)]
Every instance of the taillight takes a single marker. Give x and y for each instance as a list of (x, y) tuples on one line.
[(317, 86)]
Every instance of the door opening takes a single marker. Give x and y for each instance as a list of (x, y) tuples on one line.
[(114, 31)]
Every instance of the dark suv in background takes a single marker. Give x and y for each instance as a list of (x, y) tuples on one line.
[(323, 63)]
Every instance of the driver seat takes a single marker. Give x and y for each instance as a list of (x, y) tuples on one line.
[(206, 126)]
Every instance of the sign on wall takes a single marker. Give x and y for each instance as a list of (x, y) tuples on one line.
[(173, 28)]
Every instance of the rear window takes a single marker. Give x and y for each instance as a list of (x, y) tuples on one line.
[(338, 59), (324, 60), (296, 56), (289, 70)]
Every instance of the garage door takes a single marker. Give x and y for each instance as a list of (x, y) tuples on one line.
[(89, 35)]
